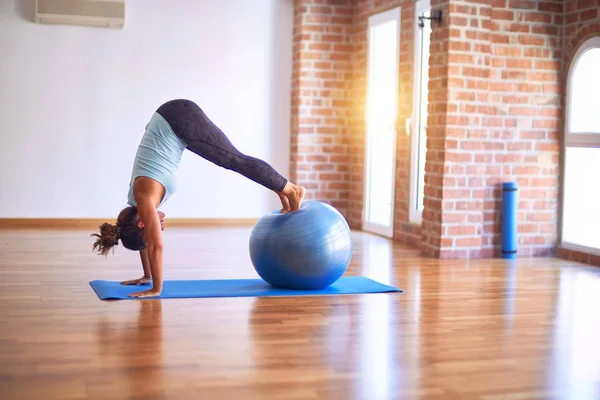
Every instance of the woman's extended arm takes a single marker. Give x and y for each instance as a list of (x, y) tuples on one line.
[(153, 235), (144, 280)]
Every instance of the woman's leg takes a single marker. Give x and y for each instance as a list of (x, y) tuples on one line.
[(207, 140)]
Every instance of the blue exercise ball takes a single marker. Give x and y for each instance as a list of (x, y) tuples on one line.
[(309, 248)]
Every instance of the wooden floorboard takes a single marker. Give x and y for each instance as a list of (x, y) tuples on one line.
[(478, 329)]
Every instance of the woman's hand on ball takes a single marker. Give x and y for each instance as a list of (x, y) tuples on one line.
[(144, 280)]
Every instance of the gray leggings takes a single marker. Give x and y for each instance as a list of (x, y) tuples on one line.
[(204, 138)]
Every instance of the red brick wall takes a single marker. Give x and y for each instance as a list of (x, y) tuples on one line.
[(321, 84), (328, 93), (494, 116), (582, 21), (432, 225), (531, 117)]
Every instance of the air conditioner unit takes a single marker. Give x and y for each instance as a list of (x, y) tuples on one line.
[(98, 13)]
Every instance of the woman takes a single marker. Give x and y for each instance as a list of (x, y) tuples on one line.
[(175, 126)]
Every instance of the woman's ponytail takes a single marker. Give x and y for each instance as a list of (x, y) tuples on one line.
[(106, 239)]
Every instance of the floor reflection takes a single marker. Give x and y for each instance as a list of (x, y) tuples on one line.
[(575, 371), (133, 349), (377, 348), (509, 293)]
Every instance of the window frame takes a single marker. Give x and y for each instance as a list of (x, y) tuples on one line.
[(586, 139), (415, 216)]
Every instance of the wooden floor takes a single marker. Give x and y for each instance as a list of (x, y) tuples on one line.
[(493, 329)]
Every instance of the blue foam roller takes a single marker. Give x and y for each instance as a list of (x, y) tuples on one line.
[(510, 202)]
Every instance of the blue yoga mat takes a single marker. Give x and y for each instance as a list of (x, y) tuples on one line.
[(110, 290)]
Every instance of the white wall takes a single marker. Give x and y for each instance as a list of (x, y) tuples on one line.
[(74, 102)]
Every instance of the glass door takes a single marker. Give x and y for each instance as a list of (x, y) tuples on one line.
[(381, 120)]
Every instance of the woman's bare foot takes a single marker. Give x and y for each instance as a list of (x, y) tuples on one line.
[(285, 204), (295, 195)]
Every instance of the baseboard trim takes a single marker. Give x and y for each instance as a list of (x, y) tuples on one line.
[(94, 223)]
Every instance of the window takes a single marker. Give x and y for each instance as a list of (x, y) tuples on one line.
[(418, 120), (581, 185)]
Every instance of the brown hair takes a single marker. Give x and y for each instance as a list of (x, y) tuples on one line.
[(126, 229)]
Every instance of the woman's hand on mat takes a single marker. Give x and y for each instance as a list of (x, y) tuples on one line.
[(146, 293), (145, 280)]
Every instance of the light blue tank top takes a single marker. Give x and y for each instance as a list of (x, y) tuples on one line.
[(158, 157)]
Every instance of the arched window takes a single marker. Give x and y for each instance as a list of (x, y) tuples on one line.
[(581, 175)]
